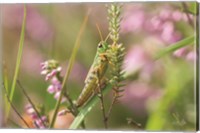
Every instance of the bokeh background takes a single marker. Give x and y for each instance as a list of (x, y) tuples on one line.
[(160, 95)]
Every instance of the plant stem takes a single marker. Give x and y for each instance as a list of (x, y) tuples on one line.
[(187, 41)]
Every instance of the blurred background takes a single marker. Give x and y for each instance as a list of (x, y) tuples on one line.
[(159, 95)]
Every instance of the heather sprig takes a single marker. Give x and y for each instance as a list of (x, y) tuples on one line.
[(37, 121), (51, 70)]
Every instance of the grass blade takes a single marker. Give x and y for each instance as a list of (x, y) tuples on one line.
[(175, 46), (19, 56), (71, 62)]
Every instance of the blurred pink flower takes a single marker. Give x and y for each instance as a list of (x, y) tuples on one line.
[(136, 95), (177, 15), (36, 120), (191, 56), (161, 24), (37, 26), (180, 52), (133, 21), (168, 33), (165, 13), (155, 24), (51, 89), (135, 59), (186, 53), (30, 60)]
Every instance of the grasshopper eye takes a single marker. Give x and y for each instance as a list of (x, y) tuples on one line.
[(100, 45)]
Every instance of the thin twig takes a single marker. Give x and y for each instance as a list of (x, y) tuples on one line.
[(134, 123), (15, 108), (74, 109), (111, 107), (30, 101)]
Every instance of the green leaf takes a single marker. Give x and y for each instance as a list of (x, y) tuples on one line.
[(175, 46), (19, 56)]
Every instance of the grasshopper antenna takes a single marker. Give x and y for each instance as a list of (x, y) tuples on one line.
[(100, 33), (107, 37)]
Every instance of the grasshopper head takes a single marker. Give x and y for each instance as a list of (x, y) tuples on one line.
[(102, 47)]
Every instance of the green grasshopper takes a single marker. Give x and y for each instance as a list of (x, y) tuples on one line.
[(95, 74)]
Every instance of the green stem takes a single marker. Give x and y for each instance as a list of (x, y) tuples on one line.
[(173, 47)]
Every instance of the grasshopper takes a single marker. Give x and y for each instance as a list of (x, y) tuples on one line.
[(95, 74)]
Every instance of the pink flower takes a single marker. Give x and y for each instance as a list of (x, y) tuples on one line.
[(51, 89), (177, 15), (44, 118), (51, 74), (52, 70), (155, 24), (180, 52), (55, 81), (133, 20), (38, 122), (44, 72), (63, 112), (165, 14), (137, 94), (167, 32), (191, 56), (135, 59)]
